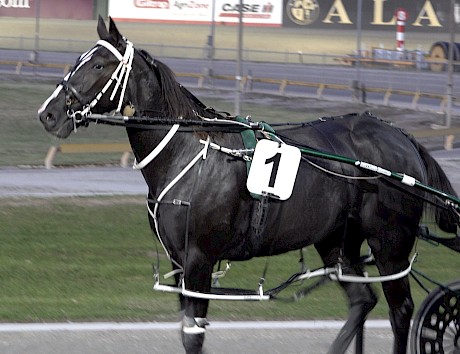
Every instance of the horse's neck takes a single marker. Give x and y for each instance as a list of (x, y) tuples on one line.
[(181, 149)]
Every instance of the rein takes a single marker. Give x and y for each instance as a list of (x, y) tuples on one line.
[(212, 124), (159, 123)]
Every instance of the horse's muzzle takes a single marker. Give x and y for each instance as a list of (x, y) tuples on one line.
[(55, 125), (48, 120)]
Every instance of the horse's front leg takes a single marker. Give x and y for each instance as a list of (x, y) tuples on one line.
[(194, 326), (197, 278)]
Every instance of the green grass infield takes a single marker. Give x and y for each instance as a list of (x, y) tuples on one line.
[(90, 259)]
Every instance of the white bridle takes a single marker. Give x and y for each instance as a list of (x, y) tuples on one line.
[(120, 75)]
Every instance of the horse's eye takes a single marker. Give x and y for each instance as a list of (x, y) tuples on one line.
[(98, 66)]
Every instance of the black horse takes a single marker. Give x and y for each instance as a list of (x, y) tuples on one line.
[(202, 211)]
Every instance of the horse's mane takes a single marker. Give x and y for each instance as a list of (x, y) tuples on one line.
[(176, 101)]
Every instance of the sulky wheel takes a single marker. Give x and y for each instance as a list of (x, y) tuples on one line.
[(436, 328), (438, 52)]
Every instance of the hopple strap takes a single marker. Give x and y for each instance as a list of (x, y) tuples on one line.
[(258, 221)]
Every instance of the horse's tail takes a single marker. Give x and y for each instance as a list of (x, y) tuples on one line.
[(445, 218)]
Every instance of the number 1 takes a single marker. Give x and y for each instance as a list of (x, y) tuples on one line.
[(276, 163)]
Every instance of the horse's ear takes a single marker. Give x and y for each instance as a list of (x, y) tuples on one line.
[(101, 29), (113, 31)]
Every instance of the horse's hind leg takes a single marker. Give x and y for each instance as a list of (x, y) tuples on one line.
[(391, 246), (362, 298), (398, 296)]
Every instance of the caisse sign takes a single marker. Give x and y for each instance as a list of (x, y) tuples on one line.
[(256, 11)]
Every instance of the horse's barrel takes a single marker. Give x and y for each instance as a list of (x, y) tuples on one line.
[(439, 52)]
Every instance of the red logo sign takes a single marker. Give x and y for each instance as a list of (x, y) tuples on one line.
[(152, 4)]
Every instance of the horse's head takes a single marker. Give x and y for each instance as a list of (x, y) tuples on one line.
[(96, 84), (112, 76)]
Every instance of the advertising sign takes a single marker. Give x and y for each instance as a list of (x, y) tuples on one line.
[(260, 12), (161, 10), (75, 9), (255, 12), (422, 15), (17, 8)]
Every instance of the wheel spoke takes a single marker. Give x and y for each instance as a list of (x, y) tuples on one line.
[(436, 327)]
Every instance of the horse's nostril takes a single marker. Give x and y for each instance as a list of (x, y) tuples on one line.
[(47, 118)]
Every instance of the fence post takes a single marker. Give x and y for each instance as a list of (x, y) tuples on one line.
[(50, 156), (386, 98), (319, 91), (415, 99), (19, 67), (355, 89), (300, 56), (249, 81), (363, 93), (283, 86)]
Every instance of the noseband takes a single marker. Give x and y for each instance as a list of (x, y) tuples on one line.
[(120, 75)]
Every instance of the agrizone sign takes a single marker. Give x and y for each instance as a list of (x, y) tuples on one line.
[(423, 15), (255, 12)]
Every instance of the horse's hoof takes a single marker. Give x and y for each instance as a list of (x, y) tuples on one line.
[(193, 343)]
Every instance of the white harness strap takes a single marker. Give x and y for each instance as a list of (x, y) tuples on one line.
[(201, 155), (149, 158), (53, 95), (112, 49), (85, 57)]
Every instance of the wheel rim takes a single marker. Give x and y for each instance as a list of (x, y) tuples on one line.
[(440, 330)]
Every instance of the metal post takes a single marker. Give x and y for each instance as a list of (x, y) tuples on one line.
[(401, 17), (239, 63), (450, 65), (209, 72), (213, 31), (357, 84), (34, 57)]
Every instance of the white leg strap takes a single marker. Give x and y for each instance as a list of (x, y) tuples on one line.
[(196, 325)]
